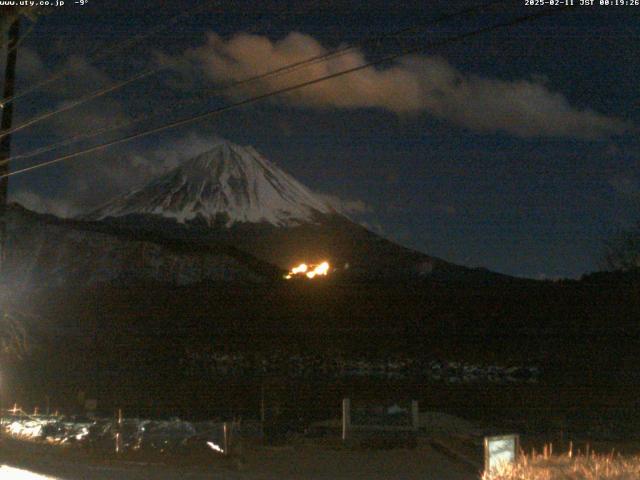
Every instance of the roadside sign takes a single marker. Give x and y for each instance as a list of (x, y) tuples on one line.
[(500, 450)]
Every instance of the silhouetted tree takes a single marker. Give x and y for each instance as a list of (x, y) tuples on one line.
[(622, 252)]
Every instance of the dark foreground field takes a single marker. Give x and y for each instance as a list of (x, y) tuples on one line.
[(309, 461), (128, 348)]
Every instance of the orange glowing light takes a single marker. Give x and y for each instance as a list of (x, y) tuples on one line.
[(310, 271), (302, 268)]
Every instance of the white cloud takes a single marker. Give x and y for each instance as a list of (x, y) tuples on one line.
[(37, 203), (524, 108), (345, 206)]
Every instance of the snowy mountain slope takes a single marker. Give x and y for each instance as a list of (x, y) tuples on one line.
[(43, 250), (227, 185)]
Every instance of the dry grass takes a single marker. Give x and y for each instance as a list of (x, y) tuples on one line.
[(587, 466)]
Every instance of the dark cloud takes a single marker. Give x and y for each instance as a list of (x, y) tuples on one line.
[(109, 173), (94, 178), (75, 75)]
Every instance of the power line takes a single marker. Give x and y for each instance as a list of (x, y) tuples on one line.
[(258, 98), (80, 101), (373, 39), (273, 73), (285, 90), (105, 53)]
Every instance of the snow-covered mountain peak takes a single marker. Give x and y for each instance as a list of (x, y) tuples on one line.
[(228, 182)]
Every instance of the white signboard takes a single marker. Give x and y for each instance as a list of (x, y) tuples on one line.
[(501, 450)]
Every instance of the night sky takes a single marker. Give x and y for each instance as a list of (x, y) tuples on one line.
[(516, 150)]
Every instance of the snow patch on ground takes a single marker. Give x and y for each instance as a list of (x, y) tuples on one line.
[(10, 473)]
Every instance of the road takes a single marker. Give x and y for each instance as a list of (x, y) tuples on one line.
[(284, 463)]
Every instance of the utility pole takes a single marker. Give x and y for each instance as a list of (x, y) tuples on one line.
[(5, 124)]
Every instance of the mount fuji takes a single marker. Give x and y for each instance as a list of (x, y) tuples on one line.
[(227, 185), (233, 195)]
